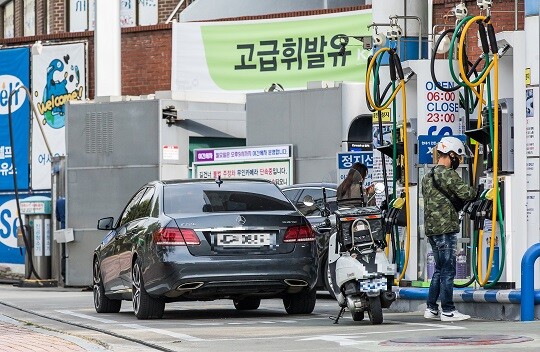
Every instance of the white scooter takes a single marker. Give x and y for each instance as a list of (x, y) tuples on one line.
[(358, 268)]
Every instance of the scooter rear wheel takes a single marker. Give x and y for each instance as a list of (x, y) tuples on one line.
[(375, 311)]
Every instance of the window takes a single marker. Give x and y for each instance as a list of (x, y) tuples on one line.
[(231, 196), (9, 20), (145, 205), (129, 213), (132, 13), (29, 12), (317, 195)]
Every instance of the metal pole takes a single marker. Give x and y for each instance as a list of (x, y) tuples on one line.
[(527, 282), (419, 30), (169, 19)]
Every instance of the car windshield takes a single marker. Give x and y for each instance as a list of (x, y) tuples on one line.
[(231, 196)]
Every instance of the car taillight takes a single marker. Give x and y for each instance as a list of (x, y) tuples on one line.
[(172, 236), (302, 233)]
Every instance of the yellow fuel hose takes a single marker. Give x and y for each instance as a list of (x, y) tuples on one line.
[(400, 86), (477, 145), (493, 66)]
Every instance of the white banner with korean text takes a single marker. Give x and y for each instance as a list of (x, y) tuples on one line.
[(247, 56), (274, 163)]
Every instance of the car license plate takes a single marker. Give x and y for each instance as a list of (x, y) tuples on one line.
[(244, 239)]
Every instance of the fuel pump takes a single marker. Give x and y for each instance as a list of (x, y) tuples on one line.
[(377, 102), (37, 214), (489, 127), (24, 237)]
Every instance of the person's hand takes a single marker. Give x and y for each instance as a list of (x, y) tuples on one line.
[(370, 189)]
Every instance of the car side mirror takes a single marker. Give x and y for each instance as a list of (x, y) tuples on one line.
[(378, 188), (105, 223), (308, 201)]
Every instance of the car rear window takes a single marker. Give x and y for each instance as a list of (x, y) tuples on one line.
[(231, 196)]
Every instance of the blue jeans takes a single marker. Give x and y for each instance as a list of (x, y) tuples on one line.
[(442, 282)]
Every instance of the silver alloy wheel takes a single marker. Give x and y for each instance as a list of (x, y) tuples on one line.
[(97, 281), (136, 278)]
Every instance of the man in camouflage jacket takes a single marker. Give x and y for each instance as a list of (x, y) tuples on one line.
[(441, 222)]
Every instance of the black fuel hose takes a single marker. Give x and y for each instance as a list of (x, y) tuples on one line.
[(16, 189)]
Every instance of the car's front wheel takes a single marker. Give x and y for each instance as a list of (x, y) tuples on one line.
[(144, 305), (102, 303), (300, 303)]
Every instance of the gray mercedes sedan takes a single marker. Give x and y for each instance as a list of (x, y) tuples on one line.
[(180, 240)]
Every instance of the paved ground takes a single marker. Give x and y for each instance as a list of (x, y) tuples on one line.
[(16, 336), (25, 325)]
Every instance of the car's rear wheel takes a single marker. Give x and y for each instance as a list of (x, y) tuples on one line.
[(300, 303), (102, 303), (144, 305), (248, 303)]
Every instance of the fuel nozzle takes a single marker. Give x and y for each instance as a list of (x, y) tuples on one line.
[(503, 50), (461, 11), (409, 76), (484, 4), (484, 208)]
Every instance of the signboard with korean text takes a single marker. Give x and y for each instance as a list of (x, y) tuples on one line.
[(82, 14), (14, 73), (58, 76), (533, 123), (533, 214), (272, 163), (9, 222), (251, 55), (346, 160), (426, 145)]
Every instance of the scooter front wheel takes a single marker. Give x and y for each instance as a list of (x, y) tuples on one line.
[(375, 310), (357, 316)]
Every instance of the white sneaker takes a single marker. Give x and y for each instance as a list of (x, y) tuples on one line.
[(454, 316), (432, 314)]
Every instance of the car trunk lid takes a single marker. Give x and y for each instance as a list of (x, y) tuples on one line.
[(244, 233)]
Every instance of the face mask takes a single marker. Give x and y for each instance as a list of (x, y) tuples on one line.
[(454, 161)]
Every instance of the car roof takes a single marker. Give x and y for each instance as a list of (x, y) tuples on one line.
[(210, 180), (311, 184)]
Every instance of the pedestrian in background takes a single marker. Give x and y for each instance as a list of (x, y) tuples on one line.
[(352, 186)]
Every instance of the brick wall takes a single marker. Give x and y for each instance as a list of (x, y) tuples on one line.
[(18, 15), (503, 18), (146, 56), (165, 8), (1, 22), (41, 21), (57, 16), (154, 53)]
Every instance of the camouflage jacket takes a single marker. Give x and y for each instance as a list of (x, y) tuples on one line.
[(439, 214)]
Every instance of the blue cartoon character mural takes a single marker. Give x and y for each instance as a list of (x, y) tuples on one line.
[(55, 93), (55, 88)]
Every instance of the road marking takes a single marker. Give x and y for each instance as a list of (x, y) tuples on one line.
[(89, 317), (164, 332), (348, 339), (342, 340), (133, 326)]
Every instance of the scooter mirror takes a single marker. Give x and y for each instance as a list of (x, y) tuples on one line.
[(308, 201), (378, 188)]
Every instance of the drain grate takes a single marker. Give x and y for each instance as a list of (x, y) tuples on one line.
[(458, 340)]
